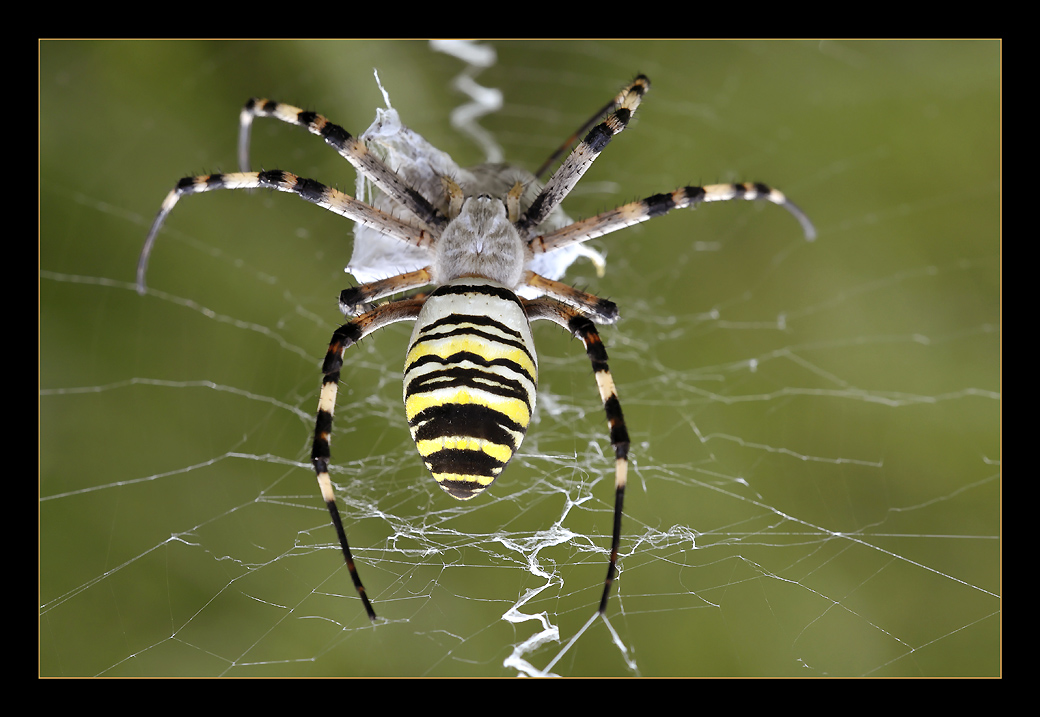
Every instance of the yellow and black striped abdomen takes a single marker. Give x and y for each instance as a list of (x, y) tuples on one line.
[(469, 383)]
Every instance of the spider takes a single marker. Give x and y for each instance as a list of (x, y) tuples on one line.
[(471, 371)]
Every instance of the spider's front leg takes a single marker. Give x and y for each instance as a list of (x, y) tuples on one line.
[(348, 146), (660, 204), (343, 338), (582, 157), (334, 200)]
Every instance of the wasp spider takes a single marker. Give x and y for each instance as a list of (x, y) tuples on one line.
[(471, 371)]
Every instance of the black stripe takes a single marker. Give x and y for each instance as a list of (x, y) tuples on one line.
[(476, 379), (461, 356), (320, 454), (485, 289), (310, 190), (468, 420), (579, 325), (470, 463), (597, 353), (535, 210), (464, 331), (478, 319), (335, 135), (186, 185), (271, 178), (348, 333), (599, 137), (659, 204), (695, 195), (618, 432), (607, 309), (324, 422), (344, 337)]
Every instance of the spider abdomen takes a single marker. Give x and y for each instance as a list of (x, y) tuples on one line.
[(470, 378)]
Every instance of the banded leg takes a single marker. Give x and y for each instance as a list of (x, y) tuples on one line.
[(358, 299), (581, 327), (349, 147), (601, 310), (613, 104), (343, 338), (315, 192), (658, 204), (578, 162)]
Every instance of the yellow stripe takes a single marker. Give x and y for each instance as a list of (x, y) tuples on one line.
[(417, 403), (484, 481), (464, 443), (485, 348)]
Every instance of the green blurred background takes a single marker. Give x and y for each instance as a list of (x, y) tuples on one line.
[(816, 426)]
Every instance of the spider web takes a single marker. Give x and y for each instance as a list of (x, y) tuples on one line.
[(815, 487)]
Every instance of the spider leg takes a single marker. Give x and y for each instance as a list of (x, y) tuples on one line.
[(315, 192), (614, 103), (349, 147), (658, 204), (353, 301), (579, 160), (343, 338), (600, 310), (582, 327)]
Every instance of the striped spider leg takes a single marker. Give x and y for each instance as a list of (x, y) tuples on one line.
[(575, 310), (579, 324), (471, 370), (345, 336), (349, 147)]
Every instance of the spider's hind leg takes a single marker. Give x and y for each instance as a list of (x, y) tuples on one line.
[(359, 299), (343, 338), (602, 311), (575, 322)]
